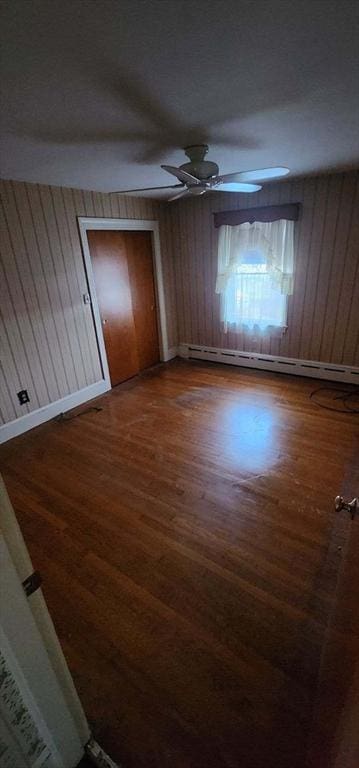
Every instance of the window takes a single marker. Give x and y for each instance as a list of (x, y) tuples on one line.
[(255, 275), (252, 300)]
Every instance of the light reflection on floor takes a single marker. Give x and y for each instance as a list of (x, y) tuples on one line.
[(248, 434)]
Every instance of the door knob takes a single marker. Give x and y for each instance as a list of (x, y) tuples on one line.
[(350, 506), (104, 321)]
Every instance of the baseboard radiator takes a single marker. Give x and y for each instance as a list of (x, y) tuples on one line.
[(311, 368)]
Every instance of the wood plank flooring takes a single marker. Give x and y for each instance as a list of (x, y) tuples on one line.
[(190, 553)]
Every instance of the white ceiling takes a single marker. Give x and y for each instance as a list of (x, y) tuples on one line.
[(98, 93)]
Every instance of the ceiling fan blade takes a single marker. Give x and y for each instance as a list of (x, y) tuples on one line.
[(187, 178), (236, 186), (179, 194), (145, 189), (262, 174)]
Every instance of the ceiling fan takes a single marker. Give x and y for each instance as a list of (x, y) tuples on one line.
[(200, 176)]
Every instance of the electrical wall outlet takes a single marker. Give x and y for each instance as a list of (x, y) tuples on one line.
[(23, 397)]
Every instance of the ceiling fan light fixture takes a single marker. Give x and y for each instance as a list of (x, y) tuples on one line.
[(196, 190), (200, 176), (202, 169), (198, 166)]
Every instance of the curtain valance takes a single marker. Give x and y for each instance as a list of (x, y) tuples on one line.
[(265, 213)]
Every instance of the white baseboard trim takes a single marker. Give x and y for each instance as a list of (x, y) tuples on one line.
[(312, 368), (170, 354), (33, 419)]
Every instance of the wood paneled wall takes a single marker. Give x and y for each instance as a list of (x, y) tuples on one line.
[(323, 313), (48, 343)]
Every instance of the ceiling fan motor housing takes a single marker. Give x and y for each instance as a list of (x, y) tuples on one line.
[(198, 167)]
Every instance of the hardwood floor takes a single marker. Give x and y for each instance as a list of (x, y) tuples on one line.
[(190, 552)]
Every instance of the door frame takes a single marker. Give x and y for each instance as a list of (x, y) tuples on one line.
[(19, 555), (140, 225)]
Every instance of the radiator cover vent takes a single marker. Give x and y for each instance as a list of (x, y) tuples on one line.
[(312, 368)]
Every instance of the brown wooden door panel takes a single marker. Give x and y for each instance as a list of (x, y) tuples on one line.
[(109, 260), (334, 741), (140, 268)]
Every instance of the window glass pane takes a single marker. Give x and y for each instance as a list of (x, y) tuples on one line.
[(252, 262), (252, 269), (253, 256), (252, 301)]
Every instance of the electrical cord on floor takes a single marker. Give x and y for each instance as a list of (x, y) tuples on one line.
[(62, 416), (344, 395)]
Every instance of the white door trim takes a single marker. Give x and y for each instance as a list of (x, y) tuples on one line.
[(14, 540), (86, 223), (35, 689)]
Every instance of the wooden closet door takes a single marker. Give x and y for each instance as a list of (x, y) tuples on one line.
[(109, 260), (140, 268)]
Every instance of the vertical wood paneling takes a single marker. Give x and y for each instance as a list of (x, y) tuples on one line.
[(312, 270), (7, 409), (326, 256), (92, 368), (10, 338), (47, 337), (342, 232), (323, 316), (54, 313), (35, 287), (304, 231), (70, 348), (347, 327), (17, 334)]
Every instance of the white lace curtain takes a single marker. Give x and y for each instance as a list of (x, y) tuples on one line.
[(255, 274)]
